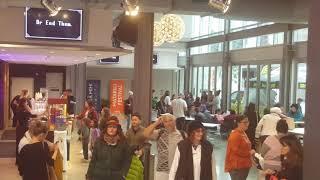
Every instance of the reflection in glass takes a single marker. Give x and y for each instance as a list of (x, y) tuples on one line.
[(301, 84)]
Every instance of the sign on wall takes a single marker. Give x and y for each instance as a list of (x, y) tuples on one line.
[(67, 24), (93, 92), (117, 96)]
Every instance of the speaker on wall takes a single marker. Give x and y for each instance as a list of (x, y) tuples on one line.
[(127, 30), (155, 59)]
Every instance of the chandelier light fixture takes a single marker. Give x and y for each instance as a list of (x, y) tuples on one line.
[(172, 27), (131, 7), (222, 5), (51, 7), (158, 38)]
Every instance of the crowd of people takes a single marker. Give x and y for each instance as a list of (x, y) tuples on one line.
[(118, 151)]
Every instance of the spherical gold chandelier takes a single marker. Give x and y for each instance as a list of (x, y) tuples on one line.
[(158, 38), (172, 27)]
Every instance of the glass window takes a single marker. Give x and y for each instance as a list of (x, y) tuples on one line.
[(219, 78), (265, 40), (212, 78), (203, 27), (181, 81), (263, 94), (195, 80), (301, 84), (250, 42), (243, 87), (236, 44), (300, 35), (253, 84), (236, 96), (182, 53), (194, 50), (200, 82), (275, 84), (216, 47), (204, 49), (278, 38), (206, 78)]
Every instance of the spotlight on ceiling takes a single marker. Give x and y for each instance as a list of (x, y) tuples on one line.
[(130, 7), (222, 5), (51, 7)]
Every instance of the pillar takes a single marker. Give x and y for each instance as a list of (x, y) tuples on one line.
[(142, 81), (225, 68), (311, 137), (76, 79), (286, 75), (4, 94)]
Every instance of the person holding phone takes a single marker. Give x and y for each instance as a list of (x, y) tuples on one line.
[(167, 138)]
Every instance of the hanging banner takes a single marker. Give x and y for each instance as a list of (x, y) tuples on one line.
[(116, 96), (93, 93)]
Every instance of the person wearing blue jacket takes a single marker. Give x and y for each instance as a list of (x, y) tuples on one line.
[(295, 113)]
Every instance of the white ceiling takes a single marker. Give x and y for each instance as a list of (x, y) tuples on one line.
[(55, 56)]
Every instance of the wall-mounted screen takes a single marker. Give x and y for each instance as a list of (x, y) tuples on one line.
[(67, 24)]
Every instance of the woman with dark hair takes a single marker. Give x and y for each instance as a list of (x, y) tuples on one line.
[(253, 121), (111, 154), (291, 158), (89, 112), (22, 115), (295, 113), (238, 156), (194, 158)]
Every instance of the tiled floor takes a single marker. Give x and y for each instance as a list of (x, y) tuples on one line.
[(77, 168)]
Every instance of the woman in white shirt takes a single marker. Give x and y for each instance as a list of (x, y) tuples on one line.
[(194, 158)]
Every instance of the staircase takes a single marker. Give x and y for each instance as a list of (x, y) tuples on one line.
[(8, 143)]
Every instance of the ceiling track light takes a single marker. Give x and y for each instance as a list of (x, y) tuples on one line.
[(130, 7), (222, 5), (51, 7)]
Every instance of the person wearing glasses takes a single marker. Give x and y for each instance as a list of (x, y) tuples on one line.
[(238, 157)]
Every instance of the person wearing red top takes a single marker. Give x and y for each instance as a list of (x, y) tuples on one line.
[(238, 157), (88, 112)]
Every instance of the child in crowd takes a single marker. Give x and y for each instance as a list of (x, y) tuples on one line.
[(85, 134), (94, 135)]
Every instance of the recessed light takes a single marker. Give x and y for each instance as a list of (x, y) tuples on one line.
[(76, 60), (98, 54), (3, 50), (51, 52)]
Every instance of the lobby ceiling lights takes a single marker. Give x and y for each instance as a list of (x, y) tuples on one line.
[(170, 29), (222, 5), (131, 7), (51, 7)]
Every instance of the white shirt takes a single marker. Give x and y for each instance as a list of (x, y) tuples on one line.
[(267, 125), (179, 106), (167, 100), (196, 164), (24, 141)]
